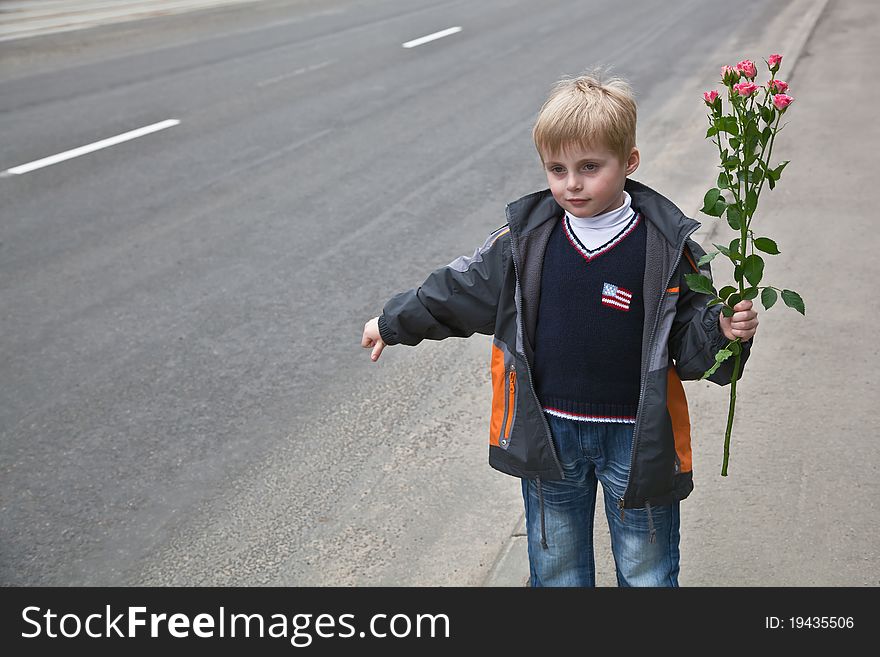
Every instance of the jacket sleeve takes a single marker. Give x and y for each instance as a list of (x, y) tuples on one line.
[(696, 335), (457, 300)]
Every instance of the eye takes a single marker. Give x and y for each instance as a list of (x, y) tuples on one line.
[(591, 166), (557, 170)]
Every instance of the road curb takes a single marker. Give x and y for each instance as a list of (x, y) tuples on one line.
[(508, 569)]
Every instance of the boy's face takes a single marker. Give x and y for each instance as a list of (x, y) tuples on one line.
[(588, 181)]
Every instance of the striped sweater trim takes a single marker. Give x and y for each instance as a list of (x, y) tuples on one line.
[(589, 418), (592, 254)]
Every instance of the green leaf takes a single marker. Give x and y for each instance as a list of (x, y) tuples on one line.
[(731, 162), (720, 357), (706, 258), (734, 142), (718, 210), (723, 249), (765, 136), (734, 218), (728, 124), (793, 300), (735, 347), (727, 310), (710, 199), (767, 114), (753, 267), (734, 246), (750, 293), (726, 291), (770, 181), (715, 301), (768, 297), (777, 172), (724, 180), (752, 137), (751, 202), (700, 283), (734, 299), (766, 245), (711, 132)]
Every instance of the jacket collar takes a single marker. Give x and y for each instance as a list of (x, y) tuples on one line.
[(532, 210)]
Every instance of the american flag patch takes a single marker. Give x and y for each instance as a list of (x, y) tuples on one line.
[(616, 297)]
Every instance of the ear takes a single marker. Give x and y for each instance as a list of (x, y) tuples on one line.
[(633, 162)]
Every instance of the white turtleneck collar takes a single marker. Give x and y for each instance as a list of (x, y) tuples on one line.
[(607, 220), (596, 232)]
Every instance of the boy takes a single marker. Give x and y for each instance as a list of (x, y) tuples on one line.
[(594, 329)]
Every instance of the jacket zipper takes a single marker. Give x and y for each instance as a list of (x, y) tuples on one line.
[(645, 368), (505, 429), (513, 239), (509, 414)]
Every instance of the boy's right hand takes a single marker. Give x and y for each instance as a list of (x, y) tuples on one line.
[(372, 338)]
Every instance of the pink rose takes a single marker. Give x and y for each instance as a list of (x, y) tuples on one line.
[(710, 97), (747, 68), (774, 61), (781, 101), (777, 85), (745, 88), (729, 75)]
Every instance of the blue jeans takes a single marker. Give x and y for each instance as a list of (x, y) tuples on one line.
[(591, 452)]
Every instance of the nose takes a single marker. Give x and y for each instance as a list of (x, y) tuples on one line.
[(573, 183)]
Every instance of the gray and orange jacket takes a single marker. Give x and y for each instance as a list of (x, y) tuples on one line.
[(495, 292)]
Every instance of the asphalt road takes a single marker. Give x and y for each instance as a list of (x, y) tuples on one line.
[(184, 397)]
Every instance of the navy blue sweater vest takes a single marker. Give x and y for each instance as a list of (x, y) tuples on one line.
[(588, 340)]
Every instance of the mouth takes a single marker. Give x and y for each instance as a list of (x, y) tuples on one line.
[(576, 200)]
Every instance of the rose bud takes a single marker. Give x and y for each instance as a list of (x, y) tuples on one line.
[(729, 75), (777, 85), (745, 88), (781, 101), (747, 68)]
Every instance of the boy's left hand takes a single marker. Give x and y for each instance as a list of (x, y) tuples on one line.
[(742, 324)]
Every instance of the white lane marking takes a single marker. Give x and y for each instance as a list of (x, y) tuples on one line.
[(431, 37), (298, 71), (88, 148)]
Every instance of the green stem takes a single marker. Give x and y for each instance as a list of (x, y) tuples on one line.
[(770, 141), (740, 151), (742, 175), (766, 166), (733, 191), (730, 411)]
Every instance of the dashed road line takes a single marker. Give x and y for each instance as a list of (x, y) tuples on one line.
[(89, 148), (431, 37)]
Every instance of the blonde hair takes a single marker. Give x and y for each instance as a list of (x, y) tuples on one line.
[(588, 112)]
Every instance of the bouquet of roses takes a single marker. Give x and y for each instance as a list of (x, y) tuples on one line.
[(744, 131)]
